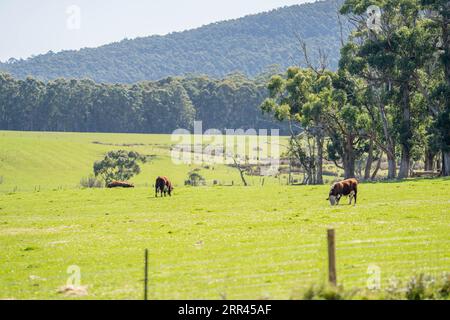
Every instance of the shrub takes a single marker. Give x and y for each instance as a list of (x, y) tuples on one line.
[(416, 288), (444, 290), (422, 287), (91, 182), (195, 179), (323, 293)]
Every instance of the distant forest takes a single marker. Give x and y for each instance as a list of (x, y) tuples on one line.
[(248, 45), (145, 107)]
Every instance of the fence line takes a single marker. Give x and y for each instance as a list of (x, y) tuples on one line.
[(311, 266)]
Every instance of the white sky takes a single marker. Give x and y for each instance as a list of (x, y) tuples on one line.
[(30, 27)]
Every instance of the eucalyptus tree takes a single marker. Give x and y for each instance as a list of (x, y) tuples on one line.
[(346, 120), (8, 94), (296, 98), (438, 12), (390, 56)]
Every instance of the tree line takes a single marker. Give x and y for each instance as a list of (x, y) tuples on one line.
[(145, 107), (390, 95)]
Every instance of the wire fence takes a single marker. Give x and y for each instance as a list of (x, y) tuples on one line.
[(257, 273)]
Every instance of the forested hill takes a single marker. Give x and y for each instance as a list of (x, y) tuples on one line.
[(248, 45)]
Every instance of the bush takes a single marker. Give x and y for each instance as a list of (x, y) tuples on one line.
[(422, 287), (195, 179), (425, 287), (91, 182), (323, 293)]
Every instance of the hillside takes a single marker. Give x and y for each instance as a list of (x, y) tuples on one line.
[(44, 161), (250, 45)]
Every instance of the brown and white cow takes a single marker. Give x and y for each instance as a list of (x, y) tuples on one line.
[(164, 186), (347, 187)]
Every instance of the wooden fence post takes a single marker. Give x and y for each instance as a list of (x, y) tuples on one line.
[(332, 276), (146, 276)]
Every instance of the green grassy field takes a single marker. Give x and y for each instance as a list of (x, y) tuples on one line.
[(210, 242), (32, 161)]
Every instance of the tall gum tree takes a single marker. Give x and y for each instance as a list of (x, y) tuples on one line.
[(390, 56), (295, 98), (439, 14)]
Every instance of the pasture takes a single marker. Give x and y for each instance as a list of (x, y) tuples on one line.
[(205, 243), (32, 161)]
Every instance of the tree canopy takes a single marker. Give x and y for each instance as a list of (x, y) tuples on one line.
[(145, 107), (389, 95), (120, 165)]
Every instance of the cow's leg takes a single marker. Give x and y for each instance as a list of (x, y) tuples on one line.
[(338, 198), (350, 196), (355, 196), (156, 192)]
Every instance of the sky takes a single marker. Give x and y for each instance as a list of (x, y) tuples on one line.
[(32, 27)]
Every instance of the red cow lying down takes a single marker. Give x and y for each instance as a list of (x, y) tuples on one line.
[(164, 186), (347, 187), (120, 184)]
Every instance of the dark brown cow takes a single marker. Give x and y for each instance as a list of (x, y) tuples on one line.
[(347, 187), (120, 184), (164, 186)]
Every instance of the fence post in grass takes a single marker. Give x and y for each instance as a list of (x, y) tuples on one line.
[(146, 276), (332, 277)]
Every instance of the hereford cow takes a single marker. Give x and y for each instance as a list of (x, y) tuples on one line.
[(347, 187), (164, 186)]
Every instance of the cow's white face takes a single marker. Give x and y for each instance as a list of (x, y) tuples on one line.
[(332, 200)]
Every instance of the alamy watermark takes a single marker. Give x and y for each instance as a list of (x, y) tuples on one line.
[(373, 18), (74, 279), (374, 280), (233, 146), (73, 21)]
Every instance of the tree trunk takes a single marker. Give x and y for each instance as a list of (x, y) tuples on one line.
[(349, 160), (319, 179), (405, 134), (349, 169), (404, 164), (374, 175), (446, 164), (392, 166), (429, 160), (290, 171), (307, 177), (241, 171), (369, 161), (390, 146), (243, 178)]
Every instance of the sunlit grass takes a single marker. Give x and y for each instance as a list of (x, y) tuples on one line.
[(209, 242)]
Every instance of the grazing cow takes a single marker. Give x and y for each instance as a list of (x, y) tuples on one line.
[(164, 186), (347, 187)]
